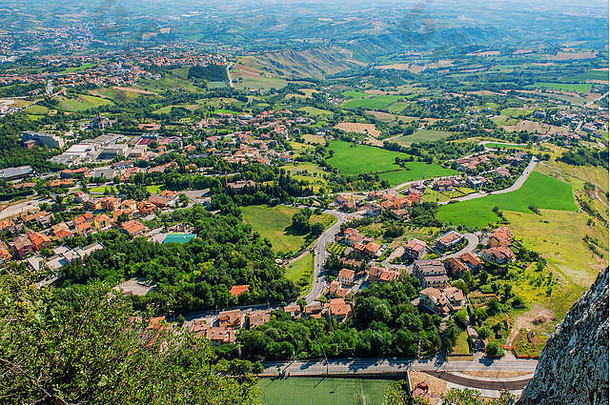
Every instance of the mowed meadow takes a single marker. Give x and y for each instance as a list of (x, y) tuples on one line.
[(540, 191), (360, 159)]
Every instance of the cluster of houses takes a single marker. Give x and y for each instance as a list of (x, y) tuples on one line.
[(36, 231), (378, 202), (223, 328), (360, 244)]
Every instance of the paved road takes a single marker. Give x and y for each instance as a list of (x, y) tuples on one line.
[(397, 366), (473, 242), (514, 187), (320, 281)]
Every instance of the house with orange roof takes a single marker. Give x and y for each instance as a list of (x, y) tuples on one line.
[(346, 276), (39, 240), (133, 227), (414, 249), (83, 228), (338, 308), (336, 287), (101, 221), (237, 290), (146, 207), (230, 318), (258, 318), (61, 231), (502, 236), (377, 273), (471, 260), (22, 246), (218, 335)]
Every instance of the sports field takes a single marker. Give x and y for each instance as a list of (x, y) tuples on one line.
[(542, 191), (368, 159), (323, 391)]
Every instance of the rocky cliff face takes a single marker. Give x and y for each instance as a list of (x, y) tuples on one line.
[(573, 367)]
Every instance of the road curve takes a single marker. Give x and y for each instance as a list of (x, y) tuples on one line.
[(473, 242)]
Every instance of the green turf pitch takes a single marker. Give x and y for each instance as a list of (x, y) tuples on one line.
[(323, 391)]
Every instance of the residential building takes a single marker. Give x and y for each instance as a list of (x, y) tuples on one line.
[(220, 335), (414, 249), (448, 240), (377, 273), (257, 318), (431, 273), (471, 260), (499, 255), (503, 236), (133, 227), (230, 319), (346, 276), (237, 290), (373, 209)]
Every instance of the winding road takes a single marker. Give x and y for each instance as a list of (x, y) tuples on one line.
[(319, 251)]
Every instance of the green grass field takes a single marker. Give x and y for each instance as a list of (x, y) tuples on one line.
[(301, 271), (422, 135), (579, 87), (515, 112), (369, 159), (82, 103), (543, 191), (591, 75), (316, 112), (274, 223), (372, 103), (461, 346), (37, 110), (323, 391)]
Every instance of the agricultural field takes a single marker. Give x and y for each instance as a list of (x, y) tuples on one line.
[(542, 191), (360, 128), (323, 391), (316, 112), (82, 103), (368, 159), (371, 102), (577, 87), (422, 135), (308, 172)]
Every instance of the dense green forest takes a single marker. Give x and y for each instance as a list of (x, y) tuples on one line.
[(193, 276), (86, 345), (385, 324)]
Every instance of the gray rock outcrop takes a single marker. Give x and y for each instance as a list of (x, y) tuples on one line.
[(573, 367)]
